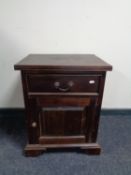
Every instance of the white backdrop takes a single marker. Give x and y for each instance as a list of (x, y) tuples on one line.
[(66, 26)]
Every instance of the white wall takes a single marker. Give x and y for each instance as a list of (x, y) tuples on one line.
[(66, 26)]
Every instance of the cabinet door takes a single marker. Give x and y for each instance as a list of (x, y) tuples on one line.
[(64, 120)]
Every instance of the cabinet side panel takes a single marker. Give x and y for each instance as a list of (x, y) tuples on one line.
[(31, 112), (97, 109)]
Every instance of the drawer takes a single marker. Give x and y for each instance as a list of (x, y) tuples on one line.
[(63, 83)]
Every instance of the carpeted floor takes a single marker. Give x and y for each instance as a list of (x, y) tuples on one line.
[(114, 136)]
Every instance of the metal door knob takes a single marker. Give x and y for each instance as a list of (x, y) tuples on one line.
[(34, 124)]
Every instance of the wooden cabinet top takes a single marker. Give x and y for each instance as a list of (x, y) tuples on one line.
[(87, 62)]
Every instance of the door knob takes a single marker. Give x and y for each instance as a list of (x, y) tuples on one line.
[(34, 124)]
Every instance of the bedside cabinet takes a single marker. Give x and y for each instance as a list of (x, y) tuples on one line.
[(63, 96)]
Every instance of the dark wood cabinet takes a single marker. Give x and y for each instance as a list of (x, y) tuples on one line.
[(63, 96)]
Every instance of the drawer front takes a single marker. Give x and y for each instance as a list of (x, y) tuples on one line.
[(63, 83)]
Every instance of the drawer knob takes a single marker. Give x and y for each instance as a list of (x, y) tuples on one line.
[(34, 124), (92, 82), (57, 84), (63, 89)]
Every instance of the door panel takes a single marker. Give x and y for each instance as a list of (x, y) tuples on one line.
[(60, 121), (63, 101)]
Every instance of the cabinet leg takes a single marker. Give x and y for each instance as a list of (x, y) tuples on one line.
[(32, 153), (93, 151)]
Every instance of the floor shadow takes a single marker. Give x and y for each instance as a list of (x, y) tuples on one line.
[(13, 128)]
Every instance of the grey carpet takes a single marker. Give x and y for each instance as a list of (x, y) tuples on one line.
[(115, 159)]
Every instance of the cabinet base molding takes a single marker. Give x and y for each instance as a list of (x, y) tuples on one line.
[(37, 149)]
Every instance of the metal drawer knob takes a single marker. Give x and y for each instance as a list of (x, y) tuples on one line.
[(34, 124), (92, 82), (57, 84)]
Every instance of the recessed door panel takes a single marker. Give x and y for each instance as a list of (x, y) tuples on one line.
[(60, 121)]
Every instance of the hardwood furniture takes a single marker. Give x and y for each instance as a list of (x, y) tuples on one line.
[(63, 96)]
